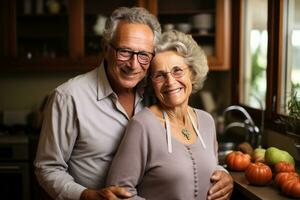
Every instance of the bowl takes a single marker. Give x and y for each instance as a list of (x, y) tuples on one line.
[(184, 27), (168, 27), (204, 22)]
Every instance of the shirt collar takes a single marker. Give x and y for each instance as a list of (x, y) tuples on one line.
[(103, 87)]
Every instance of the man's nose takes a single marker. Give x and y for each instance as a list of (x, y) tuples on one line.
[(134, 62)]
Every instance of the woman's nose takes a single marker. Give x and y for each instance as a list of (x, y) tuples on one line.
[(169, 78)]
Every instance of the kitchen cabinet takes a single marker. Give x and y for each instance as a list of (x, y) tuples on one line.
[(95, 14), (215, 40), (59, 34)]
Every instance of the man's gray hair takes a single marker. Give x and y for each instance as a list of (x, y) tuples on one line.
[(136, 15)]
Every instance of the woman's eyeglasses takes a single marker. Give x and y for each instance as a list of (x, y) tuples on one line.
[(161, 76), (124, 54)]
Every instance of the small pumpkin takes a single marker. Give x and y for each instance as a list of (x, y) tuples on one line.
[(258, 173), (284, 167), (282, 177), (237, 161), (291, 187)]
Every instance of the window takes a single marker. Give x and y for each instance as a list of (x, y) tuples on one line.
[(290, 76), (254, 53), (266, 56)]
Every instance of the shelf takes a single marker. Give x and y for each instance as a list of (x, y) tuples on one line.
[(41, 16), (185, 12), (95, 7), (71, 36), (57, 63), (36, 36), (188, 6), (208, 35), (217, 40)]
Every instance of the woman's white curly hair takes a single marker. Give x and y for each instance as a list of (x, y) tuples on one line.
[(192, 53)]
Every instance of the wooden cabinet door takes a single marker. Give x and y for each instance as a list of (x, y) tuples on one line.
[(65, 39), (183, 16)]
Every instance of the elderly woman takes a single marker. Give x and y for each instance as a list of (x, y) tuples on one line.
[(172, 146)]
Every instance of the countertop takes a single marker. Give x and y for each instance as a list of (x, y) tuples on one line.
[(252, 192)]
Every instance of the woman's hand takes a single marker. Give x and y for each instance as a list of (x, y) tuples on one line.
[(109, 193), (222, 186)]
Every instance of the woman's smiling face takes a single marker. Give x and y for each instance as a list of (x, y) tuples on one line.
[(171, 92)]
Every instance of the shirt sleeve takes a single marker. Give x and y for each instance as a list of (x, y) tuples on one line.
[(58, 136), (129, 163)]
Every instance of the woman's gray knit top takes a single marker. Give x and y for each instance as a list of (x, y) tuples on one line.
[(144, 165)]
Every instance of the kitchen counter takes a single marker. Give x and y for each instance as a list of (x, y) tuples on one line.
[(251, 192)]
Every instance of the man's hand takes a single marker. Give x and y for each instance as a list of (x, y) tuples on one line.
[(222, 186), (109, 193)]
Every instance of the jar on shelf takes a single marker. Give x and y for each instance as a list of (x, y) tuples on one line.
[(53, 6)]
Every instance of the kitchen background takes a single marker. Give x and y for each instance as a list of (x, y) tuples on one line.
[(39, 39)]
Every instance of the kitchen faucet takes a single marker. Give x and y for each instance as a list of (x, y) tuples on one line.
[(253, 132)]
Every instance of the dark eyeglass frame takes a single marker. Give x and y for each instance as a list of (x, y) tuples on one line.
[(161, 76), (140, 54)]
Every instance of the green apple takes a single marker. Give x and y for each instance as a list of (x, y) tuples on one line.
[(274, 155), (258, 155)]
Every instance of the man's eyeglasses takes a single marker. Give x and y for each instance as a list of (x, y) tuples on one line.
[(161, 76), (124, 54)]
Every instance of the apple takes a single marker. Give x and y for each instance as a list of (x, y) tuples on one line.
[(258, 155), (274, 155), (245, 147)]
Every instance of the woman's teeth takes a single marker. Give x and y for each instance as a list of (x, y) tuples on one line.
[(173, 91)]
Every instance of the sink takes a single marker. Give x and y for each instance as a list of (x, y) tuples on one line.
[(225, 146)]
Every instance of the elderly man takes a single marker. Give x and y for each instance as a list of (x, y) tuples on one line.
[(85, 117)]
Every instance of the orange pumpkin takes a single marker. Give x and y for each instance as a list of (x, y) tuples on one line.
[(282, 177), (237, 161), (284, 167), (258, 173), (291, 187)]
